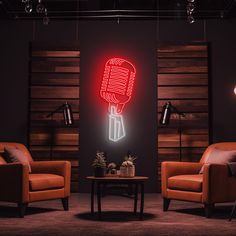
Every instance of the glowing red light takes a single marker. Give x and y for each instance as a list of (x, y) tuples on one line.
[(117, 83)]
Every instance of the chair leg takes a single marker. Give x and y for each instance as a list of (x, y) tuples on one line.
[(208, 209), (166, 203), (65, 203), (21, 209)]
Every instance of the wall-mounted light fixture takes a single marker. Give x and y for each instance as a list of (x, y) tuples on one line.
[(40, 9), (67, 117), (67, 113), (167, 110), (190, 8)]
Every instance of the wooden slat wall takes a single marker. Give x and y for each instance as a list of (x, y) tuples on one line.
[(54, 80), (182, 79)]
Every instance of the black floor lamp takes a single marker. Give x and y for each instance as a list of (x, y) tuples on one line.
[(167, 110), (68, 120)]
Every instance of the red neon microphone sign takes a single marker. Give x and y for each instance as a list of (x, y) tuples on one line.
[(116, 89)]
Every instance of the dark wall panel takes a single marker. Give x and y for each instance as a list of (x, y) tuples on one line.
[(99, 42), (223, 56)]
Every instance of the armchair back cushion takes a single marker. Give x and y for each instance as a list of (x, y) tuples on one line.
[(219, 156), (16, 155), (19, 146), (227, 146)]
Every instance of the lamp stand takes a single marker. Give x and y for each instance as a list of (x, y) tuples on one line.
[(167, 109), (180, 137), (51, 137)]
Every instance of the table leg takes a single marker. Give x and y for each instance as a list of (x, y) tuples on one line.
[(135, 198), (232, 212), (99, 200), (142, 201), (92, 197)]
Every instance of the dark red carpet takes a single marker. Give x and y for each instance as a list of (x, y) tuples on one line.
[(48, 218)]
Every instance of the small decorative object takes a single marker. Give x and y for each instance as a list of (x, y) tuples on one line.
[(127, 168), (99, 164), (112, 168)]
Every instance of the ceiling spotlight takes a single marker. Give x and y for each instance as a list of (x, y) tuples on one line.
[(28, 7), (40, 8), (190, 19), (46, 19), (190, 8)]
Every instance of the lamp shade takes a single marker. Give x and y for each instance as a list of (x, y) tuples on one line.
[(165, 114), (68, 115)]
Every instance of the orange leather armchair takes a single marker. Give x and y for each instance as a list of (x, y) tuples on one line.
[(182, 181), (47, 180)]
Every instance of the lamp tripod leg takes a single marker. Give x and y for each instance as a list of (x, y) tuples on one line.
[(180, 138)]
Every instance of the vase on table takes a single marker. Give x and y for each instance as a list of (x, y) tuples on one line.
[(127, 171)]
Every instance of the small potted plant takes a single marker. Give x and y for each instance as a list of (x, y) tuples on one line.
[(99, 164), (127, 168)]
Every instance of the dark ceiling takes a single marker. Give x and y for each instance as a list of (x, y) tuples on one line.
[(129, 9)]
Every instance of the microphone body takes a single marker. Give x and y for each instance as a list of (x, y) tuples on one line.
[(117, 83)]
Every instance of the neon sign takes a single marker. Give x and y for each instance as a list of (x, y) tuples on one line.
[(116, 89)]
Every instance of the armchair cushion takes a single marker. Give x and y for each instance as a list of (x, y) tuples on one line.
[(13, 155), (45, 181), (218, 156), (186, 182)]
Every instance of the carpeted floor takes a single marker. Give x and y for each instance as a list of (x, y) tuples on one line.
[(183, 218)]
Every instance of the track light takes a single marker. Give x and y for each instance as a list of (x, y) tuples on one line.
[(190, 7), (40, 9), (28, 7), (191, 19), (46, 19)]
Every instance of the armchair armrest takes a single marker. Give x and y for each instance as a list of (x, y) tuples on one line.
[(14, 182), (172, 168), (215, 183), (62, 168)]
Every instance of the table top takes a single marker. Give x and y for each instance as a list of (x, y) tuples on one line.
[(117, 178)]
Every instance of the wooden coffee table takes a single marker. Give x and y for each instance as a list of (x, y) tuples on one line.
[(99, 181)]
